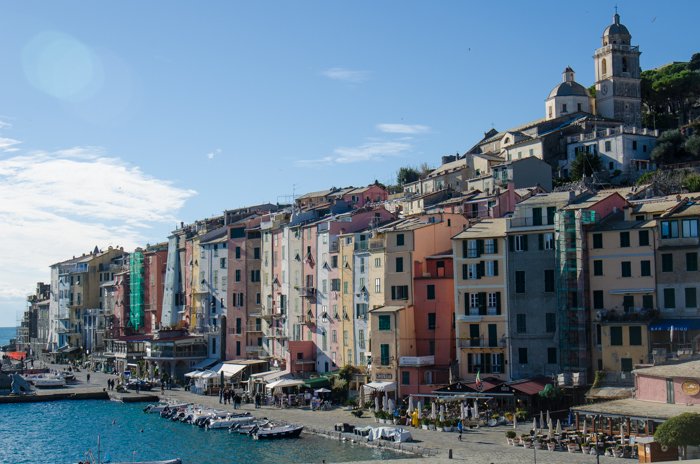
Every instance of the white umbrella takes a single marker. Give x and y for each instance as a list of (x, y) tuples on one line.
[(584, 426), (558, 427), (322, 390), (420, 411), (475, 410), (461, 411), (549, 425), (391, 405), (515, 421), (376, 404), (442, 413), (385, 404), (549, 420), (433, 413), (410, 405), (541, 420), (534, 423)]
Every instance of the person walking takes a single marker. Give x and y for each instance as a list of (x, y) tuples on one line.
[(221, 394), (459, 429), (88, 377)]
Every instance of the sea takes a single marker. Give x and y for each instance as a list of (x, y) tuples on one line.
[(62, 432), (6, 333)]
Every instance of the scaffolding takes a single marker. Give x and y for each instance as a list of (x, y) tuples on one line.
[(570, 228), (136, 289)]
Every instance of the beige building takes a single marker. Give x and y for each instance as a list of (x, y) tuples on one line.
[(480, 299)]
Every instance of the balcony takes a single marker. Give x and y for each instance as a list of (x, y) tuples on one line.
[(279, 334), (333, 248), (253, 328), (531, 222), (307, 319), (638, 315), (361, 245), (307, 292), (194, 353), (256, 351), (479, 343)]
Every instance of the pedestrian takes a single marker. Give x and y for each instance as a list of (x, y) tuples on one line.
[(459, 429), (257, 400), (221, 394), (162, 388), (88, 377)]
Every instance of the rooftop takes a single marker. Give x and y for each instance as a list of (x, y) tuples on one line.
[(487, 228), (689, 369), (637, 409)]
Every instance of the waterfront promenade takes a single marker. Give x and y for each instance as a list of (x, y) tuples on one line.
[(479, 446)]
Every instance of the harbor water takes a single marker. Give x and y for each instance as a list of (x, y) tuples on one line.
[(6, 333), (61, 432)]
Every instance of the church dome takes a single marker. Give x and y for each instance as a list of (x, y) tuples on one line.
[(616, 28), (567, 89)]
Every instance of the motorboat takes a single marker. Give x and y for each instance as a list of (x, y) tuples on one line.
[(230, 420), (284, 431), (46, 380), (160, 407)]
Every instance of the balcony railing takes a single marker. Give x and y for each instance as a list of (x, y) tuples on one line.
[(307, 291), (256, 350), (362, 245), (333, 247), (531, 222), (198, 353), (253, 328), (638, 315)]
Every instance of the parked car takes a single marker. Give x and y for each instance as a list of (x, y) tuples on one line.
[(143, 386)]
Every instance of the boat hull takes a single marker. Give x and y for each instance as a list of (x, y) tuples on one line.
[(279, 432)]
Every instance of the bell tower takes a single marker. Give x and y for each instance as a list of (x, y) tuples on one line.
[(618, 82)]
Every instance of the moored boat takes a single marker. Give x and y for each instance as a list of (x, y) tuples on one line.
[(284, 431)]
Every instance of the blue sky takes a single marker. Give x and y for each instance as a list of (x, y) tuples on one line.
[(119, 119)]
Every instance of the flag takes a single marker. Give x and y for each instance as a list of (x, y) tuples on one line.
[(478, 380)]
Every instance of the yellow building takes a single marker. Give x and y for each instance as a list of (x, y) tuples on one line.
[(196, 308), (480, 299), (347, 337), (622, 285)]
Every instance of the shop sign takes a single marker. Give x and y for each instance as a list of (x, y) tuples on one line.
[(383, 376), (690, 387)]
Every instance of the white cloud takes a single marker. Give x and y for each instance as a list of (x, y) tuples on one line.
[(403, 128), (60, 204), (6, 144), (346, 75), (215, 152), (372, 151)]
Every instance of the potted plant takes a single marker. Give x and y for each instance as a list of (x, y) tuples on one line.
[(586, 447), (527, 442), (439, 426), (447, 425), (572, 447), (551, 445), (538, 443), (376, 416), (510, 436), (350, 403), (357, 413), (425, 422), (455, 424), (617, 451), (608, 451), (522, 438)]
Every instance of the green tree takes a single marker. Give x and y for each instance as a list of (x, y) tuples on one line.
[(669, 146), (585, 163), (407, 174), (591, 90), (694, 64), (692, 146), (692, 183), (682, 430)]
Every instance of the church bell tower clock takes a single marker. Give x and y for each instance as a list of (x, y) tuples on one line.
[(618, 81)]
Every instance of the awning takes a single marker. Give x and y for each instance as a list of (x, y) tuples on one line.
[(682, 325), (284, 383), (206, 364), (381, 386), (229, 370), (270, 376), (317, 383)]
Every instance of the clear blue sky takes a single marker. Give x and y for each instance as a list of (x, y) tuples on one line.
[(118, 119)]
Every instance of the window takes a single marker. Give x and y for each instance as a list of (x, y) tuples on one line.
[(667, 262), (334, 261), (473, 251), (493, 300), (551, 211), (405, 378), (431, 292), (345, 338), (431, 320), (635, 336), (597, 240), (238, 252), (335, 285), (616, 336), (238, 275), (491, 246), (669, 298), (222, 263), (550, 322), (563, 108), (604, 66), (257, 299), (646, 268), (647, 301), (598, 267), (255, 276), (608, 145), (690, 227), (624, 239), (691, 298), (536, 216), (399, 292), (350, 359), (256, 253), (384, 360), (472, 271), (669, 229), (238, 233), (522, 355), (598, 300), (521, 243), (626, 269), (549, 280), (519, 281), (521, 323), (491, 268), (552, 352), (399, 264), (611, 165), (549, 241), (377, 262), (643, 237), (334, 336), (345, 287), (361, 341), (384, 322), (532, 151), (377, 285), (691, 262), (400, 240)]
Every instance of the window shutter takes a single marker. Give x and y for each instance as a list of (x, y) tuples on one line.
[(495, 268), (498, 303), (511, 243), (524, 242), (466, 304), (480, 268), (479, 248), (393, 292), (469, 363), (495, 245), (465, 271), (541, 237), (465, 249), (487, 362), (482, 303)]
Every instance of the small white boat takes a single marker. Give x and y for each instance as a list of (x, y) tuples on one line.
[(46, 380), (230, 421)]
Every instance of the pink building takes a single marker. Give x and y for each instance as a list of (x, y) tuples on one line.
[(155, 260), (188, 281), (670, 383), (121, 303), (362, 196), (497, 204)]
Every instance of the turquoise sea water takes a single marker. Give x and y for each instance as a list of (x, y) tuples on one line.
[(61, 432), (6, 333)]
